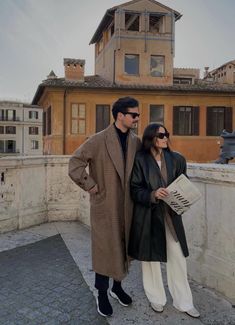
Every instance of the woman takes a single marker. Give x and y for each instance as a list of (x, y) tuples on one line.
[(157, 232)]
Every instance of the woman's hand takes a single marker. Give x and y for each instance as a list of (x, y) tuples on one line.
[(161, 193)]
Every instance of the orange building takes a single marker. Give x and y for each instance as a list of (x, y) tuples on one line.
[(134, 52)]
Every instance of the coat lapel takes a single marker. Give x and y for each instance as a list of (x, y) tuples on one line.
[(130, 155), (154, 174), (169, 166), (115, 151)]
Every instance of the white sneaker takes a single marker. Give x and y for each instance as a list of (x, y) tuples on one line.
[(156, 307), (193, 312)]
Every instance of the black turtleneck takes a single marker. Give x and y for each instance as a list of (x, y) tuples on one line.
[(123, 139)]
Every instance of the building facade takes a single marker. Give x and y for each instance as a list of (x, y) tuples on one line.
[(134, 52), (20, 129), (223, 74)]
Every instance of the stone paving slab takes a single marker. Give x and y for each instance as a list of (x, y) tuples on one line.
[(41, 284), (215, 309)]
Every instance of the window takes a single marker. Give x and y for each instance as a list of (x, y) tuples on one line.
[(100, 45), (1, 129), (2, 146), (49, 120), (156, 114), (102, 117), (33, 114), (112, 29), (157, 65), (218, 119), (132, 21), (10, 146), (185, 120), (155, 23), (2, 114), (44, 124), (78, 120), (10, 115), (185, 81), (34, 144), (10, 130), (33, 130), (132, 64)]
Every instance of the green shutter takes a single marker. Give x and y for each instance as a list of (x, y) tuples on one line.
[(176, 111), (228, 119)]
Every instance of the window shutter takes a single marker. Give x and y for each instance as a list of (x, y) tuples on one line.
[(176, 111), (195, 121), (102, 117), (44, 123), (106, 116), (49, 120), (228, 118), (209, 121)]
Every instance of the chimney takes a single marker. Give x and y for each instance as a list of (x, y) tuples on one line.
[(74, 69), (206, 71), (52, 75)]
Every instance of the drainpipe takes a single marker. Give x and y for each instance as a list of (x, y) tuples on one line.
[(114, 66), (64, 122)]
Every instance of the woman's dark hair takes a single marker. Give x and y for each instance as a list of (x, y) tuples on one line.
[(149, 136), (122, 105)]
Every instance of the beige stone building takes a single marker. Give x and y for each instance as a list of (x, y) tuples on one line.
[(20, 129), (223, 74)]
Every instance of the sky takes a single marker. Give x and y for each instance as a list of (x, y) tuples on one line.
[(35, 36)]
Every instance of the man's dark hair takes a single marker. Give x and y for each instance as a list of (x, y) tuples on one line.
[(122, 105)]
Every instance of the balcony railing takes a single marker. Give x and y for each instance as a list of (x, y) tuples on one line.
[(9, 151), (12, 119)]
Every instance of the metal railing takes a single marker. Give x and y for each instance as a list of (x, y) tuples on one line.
[(12, 119)]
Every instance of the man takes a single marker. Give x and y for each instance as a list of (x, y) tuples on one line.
[(110, 156)]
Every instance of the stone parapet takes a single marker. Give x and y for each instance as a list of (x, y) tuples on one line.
[(35, 190), (210, 226)]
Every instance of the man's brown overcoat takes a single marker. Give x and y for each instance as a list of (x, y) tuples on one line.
[(111, 208)]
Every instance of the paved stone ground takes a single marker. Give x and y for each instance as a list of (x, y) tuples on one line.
[(214, 308), (41, 284)]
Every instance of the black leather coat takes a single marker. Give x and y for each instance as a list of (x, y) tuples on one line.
[(147, 240)]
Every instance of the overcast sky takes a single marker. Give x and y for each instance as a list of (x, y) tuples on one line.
[(35, 36)]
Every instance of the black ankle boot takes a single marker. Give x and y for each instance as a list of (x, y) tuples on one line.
[(118, 293), (104, 307)]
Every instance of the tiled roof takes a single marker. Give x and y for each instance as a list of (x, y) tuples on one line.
[(93, 82), (99, 82)]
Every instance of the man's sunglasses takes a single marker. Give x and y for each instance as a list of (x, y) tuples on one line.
[(162, 135), (134, 115)]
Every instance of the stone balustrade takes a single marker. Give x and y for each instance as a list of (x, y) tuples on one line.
[(35, 190)]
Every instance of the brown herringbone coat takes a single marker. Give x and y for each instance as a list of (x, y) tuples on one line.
[(111, 208)]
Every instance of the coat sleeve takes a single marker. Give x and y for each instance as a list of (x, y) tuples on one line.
[(78, 163), (139, 190)]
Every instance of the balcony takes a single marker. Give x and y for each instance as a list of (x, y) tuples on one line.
[(36, 190), (9, 152), (9, 119)]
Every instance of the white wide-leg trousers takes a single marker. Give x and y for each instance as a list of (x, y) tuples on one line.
[(176, 277)]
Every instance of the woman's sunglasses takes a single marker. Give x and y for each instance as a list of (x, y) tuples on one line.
[(162, 135)]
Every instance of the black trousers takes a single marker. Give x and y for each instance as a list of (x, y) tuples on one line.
[(102, 282)]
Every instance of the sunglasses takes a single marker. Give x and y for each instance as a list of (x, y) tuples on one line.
[(162, 135), (133, 115)]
